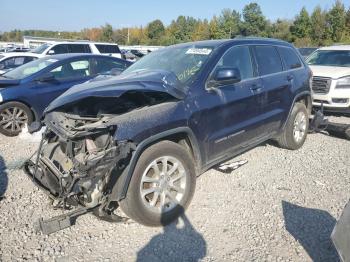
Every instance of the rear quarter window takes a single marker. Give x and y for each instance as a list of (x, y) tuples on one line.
[(108, 49), (290, 58), (268, 60)]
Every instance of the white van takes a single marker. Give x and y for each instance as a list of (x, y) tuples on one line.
[(78, 47)]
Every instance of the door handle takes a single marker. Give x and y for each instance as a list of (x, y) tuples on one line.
[(290, 77), (256, 88)]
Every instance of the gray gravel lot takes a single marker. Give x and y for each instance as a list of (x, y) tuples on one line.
[(282, 205)]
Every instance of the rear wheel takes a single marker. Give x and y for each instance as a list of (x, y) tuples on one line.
[(295, 132), (162, 185), (13, 117)]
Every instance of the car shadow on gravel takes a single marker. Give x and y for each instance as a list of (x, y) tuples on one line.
[(3, 178), (312, 228), (180, 241)]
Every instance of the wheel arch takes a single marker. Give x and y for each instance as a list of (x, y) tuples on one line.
[(304, 97), (34, 114), (182, 135)]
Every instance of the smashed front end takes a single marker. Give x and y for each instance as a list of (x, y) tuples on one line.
[(90, 140), (76, 159)]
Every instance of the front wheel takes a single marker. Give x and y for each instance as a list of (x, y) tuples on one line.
[(162, 185), (295, 132), (13, 117)]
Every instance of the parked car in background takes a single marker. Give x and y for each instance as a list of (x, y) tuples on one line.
[(9, 61), (137, 53), (78, 47), (27, 90), (139, 140), (306, 51), (331, 78)]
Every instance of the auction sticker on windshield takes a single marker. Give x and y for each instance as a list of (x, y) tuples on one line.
[(198, 51)]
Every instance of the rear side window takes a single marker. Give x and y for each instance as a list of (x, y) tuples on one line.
[(239, 58), (289, 57), (30, 59), (79, 48), (108, 49), (268, 60), (106, 65)]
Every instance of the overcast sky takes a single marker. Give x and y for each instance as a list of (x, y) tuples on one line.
[(64, 15)]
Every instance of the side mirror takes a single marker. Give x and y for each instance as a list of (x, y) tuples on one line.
[(224, 76), (51, 52), (47, 77)]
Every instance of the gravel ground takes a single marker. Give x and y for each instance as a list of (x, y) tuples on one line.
[(282, 205)]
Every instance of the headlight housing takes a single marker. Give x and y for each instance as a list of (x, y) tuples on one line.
[(343, 82), (1, 99)]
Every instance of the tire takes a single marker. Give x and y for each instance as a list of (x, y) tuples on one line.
[(140, 208), (295, 132), (23, 115)]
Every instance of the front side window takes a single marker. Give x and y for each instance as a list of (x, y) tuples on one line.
[(268, 60), (238, 58), (330, 58), (59, 49), (289, 57), (72, 70)]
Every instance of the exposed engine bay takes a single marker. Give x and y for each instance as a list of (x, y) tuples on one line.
[(79, 152)]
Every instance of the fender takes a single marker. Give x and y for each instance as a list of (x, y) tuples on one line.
[(121, 187), (307, 93)]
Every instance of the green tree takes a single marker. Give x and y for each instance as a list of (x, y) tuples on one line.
[(107, 33), (336, 18), (318, 22), (254, 22), (155, 30), (229, 22), (302, 26), (280, 30)]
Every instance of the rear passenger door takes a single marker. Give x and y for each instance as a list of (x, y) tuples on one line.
[(274, 92)]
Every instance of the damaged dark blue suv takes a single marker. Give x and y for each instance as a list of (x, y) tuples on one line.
[(139, 140)]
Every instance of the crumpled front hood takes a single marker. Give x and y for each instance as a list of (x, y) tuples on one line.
[(107, 86)]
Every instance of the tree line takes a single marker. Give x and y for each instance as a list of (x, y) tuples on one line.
[(318, 28)]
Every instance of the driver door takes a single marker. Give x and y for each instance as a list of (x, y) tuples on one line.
[(227, 114)]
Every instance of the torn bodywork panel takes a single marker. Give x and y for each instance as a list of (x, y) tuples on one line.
[(90, 140)]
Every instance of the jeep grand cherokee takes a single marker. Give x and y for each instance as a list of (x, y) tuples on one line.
[(139, 140)]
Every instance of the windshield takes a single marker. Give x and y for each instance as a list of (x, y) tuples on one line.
[(306, 51), (41, 49), (330, 58), (29, 68), (184, 61)]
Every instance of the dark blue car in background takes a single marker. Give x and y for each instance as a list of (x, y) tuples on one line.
[(27, 90)]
